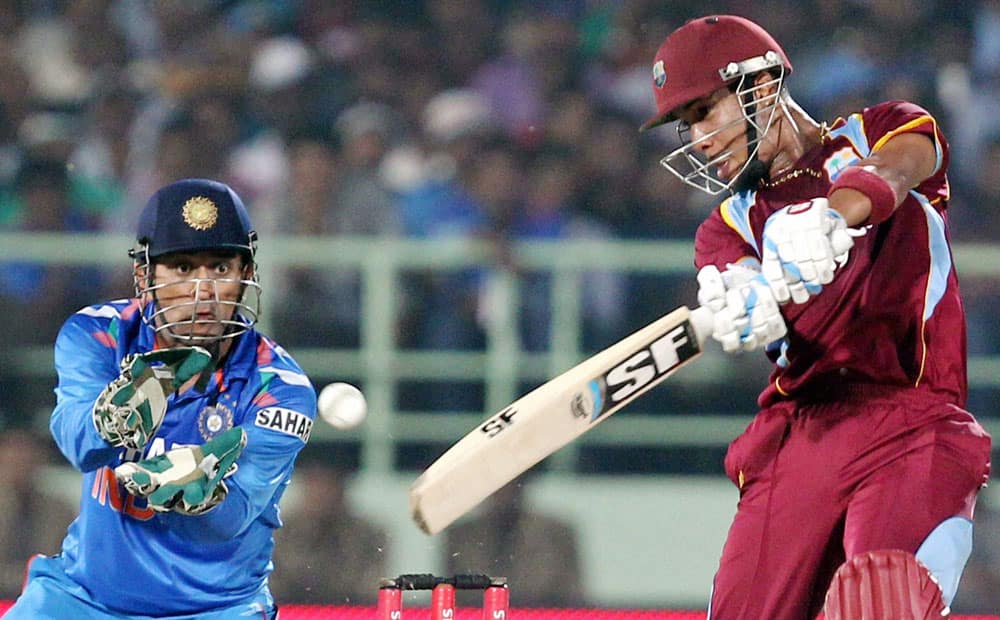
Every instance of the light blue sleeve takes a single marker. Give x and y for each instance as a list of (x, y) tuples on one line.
[(265, 467), (84, 366)]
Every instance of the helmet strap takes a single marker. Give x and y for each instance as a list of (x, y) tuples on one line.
[(755, 171), (752, 176)]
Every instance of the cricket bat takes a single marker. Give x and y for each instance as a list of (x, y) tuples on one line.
[(555, 413)]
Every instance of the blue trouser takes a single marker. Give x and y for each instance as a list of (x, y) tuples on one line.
[(49, 594)]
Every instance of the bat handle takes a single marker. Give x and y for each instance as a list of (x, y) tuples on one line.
[(703, 321)]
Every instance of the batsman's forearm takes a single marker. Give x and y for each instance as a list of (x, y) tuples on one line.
[(901, 164), (852, 205)]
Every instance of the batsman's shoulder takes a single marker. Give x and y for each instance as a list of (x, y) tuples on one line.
[(895, 107), (889, 118)]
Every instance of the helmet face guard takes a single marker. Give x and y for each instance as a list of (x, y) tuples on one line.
[(759, 110), (180, 321)]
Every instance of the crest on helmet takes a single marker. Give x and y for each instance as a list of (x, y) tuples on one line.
[(659, 74), (200, 213)]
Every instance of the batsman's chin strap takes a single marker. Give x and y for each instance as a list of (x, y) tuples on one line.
[(752, 176), (755, 170)]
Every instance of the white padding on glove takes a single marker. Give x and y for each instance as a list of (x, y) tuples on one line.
[(747, 316), (803, 244)]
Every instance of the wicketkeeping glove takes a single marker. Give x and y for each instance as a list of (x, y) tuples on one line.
[(746, 314), (188, 479), (803, 244), (130, 409)]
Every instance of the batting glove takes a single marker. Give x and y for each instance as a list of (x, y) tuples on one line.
[(746, 314), (187, 479), (130, 409), (803, 244)]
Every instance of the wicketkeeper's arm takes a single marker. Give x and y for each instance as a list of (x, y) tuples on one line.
[(84, 365)]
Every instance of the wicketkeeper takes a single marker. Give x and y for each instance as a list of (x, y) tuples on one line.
[(185, 423)]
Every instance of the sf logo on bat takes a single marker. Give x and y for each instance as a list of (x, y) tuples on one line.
[(639, 372), (500, 421)]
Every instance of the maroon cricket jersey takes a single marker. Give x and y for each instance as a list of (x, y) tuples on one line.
[(892, 314)]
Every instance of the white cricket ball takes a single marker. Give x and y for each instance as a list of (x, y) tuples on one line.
[(342, 405)]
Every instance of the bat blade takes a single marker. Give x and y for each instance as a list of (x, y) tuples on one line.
[(555, 413)]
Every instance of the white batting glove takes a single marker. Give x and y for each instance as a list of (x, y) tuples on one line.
[(803, 245), (747, 316)]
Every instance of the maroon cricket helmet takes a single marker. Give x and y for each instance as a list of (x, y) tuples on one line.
[(704, 55)]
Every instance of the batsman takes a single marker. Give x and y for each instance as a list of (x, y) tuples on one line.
[(829, 251), (185, 423)]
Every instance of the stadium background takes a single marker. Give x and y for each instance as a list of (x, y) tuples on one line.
[(103, 100)]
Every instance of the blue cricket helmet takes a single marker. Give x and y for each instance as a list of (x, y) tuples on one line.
[(193, 215), (196, 215)]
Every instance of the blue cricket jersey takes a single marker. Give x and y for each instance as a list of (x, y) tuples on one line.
[(134, 560)]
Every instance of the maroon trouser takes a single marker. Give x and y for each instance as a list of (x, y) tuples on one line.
[(879, 468)]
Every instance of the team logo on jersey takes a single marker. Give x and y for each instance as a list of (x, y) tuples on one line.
[(200, 213), (659, 74), (285, 421), (838, 160), (214, 419)]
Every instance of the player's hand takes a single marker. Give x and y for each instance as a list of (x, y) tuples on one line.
[(187, 479), (747, 315), (803, 244), (130, 409)]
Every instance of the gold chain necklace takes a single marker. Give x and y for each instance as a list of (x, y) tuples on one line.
[(792, 174), (824, 137)]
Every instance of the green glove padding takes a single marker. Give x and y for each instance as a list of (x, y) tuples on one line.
[(188, 479), (130, 409)]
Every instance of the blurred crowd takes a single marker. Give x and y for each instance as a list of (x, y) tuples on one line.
[(430, 120), (496, 119), (504, 120)]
